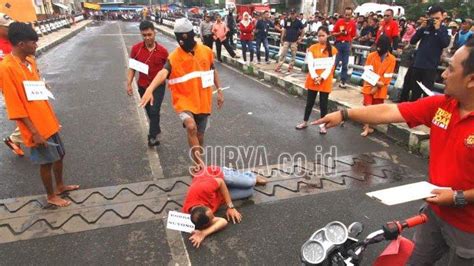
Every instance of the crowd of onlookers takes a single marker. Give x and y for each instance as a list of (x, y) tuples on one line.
[(419, 43)]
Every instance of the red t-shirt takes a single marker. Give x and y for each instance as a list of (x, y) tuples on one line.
[(350, 28), (155, 60), (451, 151), (390, 30), (5, 48), (204, 190)]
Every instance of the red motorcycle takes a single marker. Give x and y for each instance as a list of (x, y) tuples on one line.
[(336, 244)]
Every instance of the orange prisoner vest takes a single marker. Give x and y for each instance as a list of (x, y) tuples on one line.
[(40, 113), (185, 80), (319, 51), (383, 69)]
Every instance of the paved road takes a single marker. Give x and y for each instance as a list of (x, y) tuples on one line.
[(106, 146)]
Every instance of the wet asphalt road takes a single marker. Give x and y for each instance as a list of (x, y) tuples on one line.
[(105, 146)]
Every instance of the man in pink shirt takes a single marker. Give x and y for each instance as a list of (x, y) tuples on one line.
[(219, 30)]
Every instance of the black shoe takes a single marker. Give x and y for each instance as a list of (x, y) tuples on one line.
[(153, 142)]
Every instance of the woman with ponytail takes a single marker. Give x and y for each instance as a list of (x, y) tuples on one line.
[(320, 59)]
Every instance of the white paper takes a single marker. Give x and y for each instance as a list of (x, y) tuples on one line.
[(207, 79), (138, 66), (405, 193), (323, 63), (37, 91), (222, 89), (370, 76), (179, 221), (425, 89)]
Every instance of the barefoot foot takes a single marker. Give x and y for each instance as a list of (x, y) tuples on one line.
[(64, 189), (261, 181), (58, 202)]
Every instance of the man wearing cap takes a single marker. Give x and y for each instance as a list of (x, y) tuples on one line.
[(463, 35), (433, 37), (206, 31), (14, 140), (293, 32), (191, 76)]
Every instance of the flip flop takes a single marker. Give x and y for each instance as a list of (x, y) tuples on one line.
[(300, 127)]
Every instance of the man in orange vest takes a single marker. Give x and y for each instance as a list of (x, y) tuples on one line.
[(191, 76)]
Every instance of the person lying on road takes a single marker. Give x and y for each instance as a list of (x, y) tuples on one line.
[(212, 187)]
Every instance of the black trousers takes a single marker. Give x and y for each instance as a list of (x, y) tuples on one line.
[(153, 111), (227, 47), (208, 40), (230, 38), (323, 103), (411, 91)]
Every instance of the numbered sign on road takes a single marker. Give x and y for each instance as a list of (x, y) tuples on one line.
[(180, 221)]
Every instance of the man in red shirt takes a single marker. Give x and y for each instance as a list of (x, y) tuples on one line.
[(450, 227), (14, 140), (389, 28), (345, 31), (212, 187), (152, 57)]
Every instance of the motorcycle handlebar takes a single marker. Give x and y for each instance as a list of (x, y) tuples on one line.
[(415, 220)]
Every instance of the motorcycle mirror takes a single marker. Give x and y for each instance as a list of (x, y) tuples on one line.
[(355, 229)]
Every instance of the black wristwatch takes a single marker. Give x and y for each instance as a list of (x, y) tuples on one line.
[(459, 199), (344, 114), (230, 206)]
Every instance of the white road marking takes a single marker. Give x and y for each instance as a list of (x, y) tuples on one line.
[(175, 240)]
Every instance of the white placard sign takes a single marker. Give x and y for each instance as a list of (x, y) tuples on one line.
[(370, 76), (179, 221), (138, 66), (36, 90), (323, 63), (207, 79), (405, 193)]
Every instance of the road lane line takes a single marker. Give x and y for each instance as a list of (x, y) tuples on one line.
[(175, 240)]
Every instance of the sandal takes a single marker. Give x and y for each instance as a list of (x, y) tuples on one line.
[(322, 130), (301, 126)]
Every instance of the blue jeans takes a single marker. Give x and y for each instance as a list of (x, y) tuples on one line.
[(259, 41), (240, 184), (343, 53), (247, 45)]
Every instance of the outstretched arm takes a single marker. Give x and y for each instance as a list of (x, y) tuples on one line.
[(157, 81), (374, 114), (198, 236)]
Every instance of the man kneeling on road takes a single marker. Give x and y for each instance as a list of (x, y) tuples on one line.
[(450, 227), (212, 187)]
